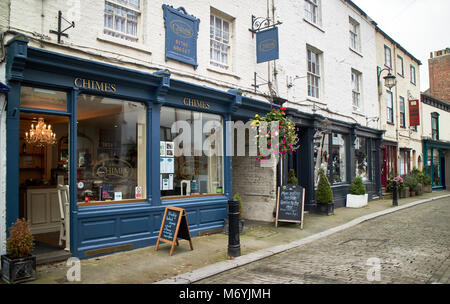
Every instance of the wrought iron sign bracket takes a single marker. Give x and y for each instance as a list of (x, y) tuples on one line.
[(60, 32), (255, 85), (261, 23)]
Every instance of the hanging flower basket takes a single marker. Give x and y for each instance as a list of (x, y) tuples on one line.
[(287, 141)]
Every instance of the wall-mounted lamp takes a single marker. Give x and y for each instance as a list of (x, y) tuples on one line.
[(389, 80)]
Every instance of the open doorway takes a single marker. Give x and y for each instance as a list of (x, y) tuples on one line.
[(44, 167)]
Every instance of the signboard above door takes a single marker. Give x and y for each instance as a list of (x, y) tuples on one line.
[(181, 35)]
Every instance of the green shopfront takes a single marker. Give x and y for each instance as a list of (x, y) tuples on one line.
[(114, 146), (435, 157)]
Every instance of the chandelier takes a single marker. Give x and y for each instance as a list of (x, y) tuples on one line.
[(41, 134)]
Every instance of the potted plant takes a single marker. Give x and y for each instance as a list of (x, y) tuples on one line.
[(427, 184), (292, 179), (324, 195), (357, 197), (411, 182), (19, 265)]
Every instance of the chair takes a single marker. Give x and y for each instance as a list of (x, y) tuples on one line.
[(63, 197)]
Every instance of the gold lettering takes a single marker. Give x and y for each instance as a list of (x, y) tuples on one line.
[(113, 87), (94, 85), (97, 86), (75, 82)]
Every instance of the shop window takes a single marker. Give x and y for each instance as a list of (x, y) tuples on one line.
[(191, 153), (321, 151), (338, 153), (436, 168), (361, 158), (43, 99), (111, 150), (121, 19), (404, 162)]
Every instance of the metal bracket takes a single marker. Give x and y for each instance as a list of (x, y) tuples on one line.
[(261, 23), (257, 85), (60, 32)]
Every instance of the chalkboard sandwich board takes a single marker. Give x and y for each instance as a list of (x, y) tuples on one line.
[(174, 226), (290, 204)]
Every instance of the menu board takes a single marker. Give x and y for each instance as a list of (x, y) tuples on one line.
[(290, 204), (174, 226)]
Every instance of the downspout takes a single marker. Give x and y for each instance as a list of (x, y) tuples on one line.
[(2, 188)]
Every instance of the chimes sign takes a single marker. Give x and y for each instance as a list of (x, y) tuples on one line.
[(414, 116)]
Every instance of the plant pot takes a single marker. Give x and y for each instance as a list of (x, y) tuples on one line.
[(241, 226), (404, 193), (18, 270), (325, 208), (427, 188), (357, 201)]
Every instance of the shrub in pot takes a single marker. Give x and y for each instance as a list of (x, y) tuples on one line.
[(324, 195), (19, 265), (411, 182), (292, 179), (357, 197), (427, 184)]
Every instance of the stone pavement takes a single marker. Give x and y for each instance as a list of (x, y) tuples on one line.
[(410, 246), (145, 265)]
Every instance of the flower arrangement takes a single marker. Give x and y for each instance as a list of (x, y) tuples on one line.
[(287, 135), (390, 183)]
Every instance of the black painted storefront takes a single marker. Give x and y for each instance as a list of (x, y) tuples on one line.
[(302, 161)]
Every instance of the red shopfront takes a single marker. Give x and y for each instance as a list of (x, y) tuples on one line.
[(389, 161)]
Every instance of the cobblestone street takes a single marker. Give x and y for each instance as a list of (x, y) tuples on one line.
[(408, 246)]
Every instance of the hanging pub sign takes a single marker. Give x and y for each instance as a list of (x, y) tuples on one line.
[(414, 113), (181, 35), (267, 45)]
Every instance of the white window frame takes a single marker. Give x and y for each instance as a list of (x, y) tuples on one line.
[(402, 110), (412, 70), (313, 73), (402, 66), (389, 106), (312, 11), (356, 90), (354, 31), (126, 7), (219, 45), (386, 63)]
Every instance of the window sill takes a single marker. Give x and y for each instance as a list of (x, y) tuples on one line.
[(401, 75), (358, 112), (314, 25), (222, 72), (313, 99), (134, 45), (164, 198), (356, 51), (412, 83), (390, 123), (104, 203)]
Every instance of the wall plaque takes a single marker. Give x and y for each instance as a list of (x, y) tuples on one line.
[(181, 35)]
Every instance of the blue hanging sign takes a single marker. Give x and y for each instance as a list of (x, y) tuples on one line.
[(181, 35), (267, 45)]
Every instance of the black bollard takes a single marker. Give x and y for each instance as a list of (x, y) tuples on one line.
[(395, 194), (234, 246)]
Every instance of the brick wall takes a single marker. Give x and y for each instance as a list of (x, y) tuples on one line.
[(439, 71)]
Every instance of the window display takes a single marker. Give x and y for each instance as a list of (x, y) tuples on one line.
[(321, 150), (191, 153), (338, 158), (361, 158), (111, 154)]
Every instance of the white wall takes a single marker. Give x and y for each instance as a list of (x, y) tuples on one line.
[(331, 38)]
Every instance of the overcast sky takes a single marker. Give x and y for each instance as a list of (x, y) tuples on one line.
[(420, 26)]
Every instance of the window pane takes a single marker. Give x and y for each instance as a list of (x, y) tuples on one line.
[(338, 158), (361, 158), (191, 153), (111, 157), (321, 150), (43, 99)]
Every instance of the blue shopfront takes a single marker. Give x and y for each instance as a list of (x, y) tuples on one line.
[(112, 140), (434, 156)]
